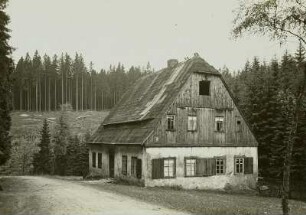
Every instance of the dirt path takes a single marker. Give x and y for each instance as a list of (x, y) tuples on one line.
[(40, 195)]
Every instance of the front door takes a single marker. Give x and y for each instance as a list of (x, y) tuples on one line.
[(111, 164)]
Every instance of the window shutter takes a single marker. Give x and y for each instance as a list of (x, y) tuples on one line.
[(248, 165), (213, 166), (157, 168), (138, 168), (201, 168)]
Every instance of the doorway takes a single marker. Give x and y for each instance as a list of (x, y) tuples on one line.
[(111, 164)]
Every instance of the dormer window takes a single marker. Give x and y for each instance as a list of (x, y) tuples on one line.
[(204, 88), (170, 122)]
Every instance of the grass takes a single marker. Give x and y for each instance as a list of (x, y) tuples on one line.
[(202, 202), (79, 122)]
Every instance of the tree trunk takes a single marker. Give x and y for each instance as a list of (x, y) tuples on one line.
[(39, 94), (36, 97), (76, 93), (20, 98), (62, 87), (95, 97), (45, 93), (55, 96), (289, 147), (66, 91), (49, 96), (82, 99)]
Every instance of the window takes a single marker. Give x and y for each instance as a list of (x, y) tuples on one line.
[(239, 165), (204, 88), (169, 168), (133, 166), (124, 165), (93, 159), (220, 165), (163, 168), (192, 123), (190, 167), (219, 124), (100, 160), (239, 127), (170, 122)]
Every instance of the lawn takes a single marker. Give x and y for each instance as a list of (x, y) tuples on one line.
[(201, 202)]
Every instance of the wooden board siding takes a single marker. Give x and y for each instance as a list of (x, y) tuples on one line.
[(206, 108)]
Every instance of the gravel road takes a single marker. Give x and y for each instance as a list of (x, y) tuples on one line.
[(42, 195)]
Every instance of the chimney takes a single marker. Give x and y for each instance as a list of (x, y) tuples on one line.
[(172, 63)]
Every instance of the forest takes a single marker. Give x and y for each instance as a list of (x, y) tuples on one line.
[(45, 83), (266, 93)]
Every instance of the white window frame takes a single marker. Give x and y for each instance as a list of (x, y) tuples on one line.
[(220, 166), (169, 167), (239, 165), (190, 167)]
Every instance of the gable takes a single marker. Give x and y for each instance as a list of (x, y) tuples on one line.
[(219, 104)]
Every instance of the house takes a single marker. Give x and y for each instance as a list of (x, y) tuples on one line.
[(177, 127)]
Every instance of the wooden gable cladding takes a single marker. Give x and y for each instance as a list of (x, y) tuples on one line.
[(219, 97), (206, 108)]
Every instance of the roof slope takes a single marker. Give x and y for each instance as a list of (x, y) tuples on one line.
[(145, 101)]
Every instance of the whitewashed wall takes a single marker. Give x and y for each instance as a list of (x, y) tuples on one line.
[(129, 151), (210, 182)]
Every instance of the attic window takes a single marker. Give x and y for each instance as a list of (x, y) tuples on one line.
[(192, 123), (204, 88), (239, 128), (219, 124), (170, 122)]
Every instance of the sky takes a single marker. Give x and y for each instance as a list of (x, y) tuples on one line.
[(135, 32)]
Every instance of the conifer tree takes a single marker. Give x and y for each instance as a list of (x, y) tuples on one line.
[(62, 136), (43, 159), (6, 68)]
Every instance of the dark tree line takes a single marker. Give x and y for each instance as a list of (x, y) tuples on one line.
[(45, 83), (266, 92), (6, 69)]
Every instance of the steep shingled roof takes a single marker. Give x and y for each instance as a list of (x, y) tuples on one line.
[(145, 101)]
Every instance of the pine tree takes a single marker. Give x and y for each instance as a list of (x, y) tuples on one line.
[(43, 159), (6, 64), (62, 136), (73, 160)]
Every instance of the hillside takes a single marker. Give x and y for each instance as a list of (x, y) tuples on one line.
[(25, 132)]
